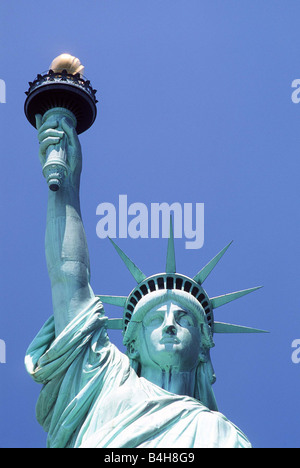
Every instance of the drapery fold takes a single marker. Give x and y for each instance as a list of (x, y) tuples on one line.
[(91, 397)]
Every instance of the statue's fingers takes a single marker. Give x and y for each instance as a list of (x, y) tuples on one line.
[(50, 132), (70, 131), (44, 145), (50, 123)]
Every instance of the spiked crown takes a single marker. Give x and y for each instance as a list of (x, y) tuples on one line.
[(170, 280)]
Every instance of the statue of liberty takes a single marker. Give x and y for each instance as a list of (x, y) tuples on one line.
[(157, 395)]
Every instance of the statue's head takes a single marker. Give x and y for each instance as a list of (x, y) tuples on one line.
[(169, 330), (168, 322)]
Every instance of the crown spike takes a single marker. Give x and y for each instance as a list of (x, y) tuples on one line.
[(171, 263), (222, 300), (114, 300), (220, 327), (114, 324), (203, 274), (134, 270)]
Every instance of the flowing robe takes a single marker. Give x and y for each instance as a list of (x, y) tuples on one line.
[(92, 398)]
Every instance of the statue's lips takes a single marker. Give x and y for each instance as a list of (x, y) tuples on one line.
[(170, 340)]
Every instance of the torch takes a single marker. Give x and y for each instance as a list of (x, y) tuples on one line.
[(62, 92)]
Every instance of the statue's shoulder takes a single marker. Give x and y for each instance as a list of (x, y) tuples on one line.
[(231, 434)]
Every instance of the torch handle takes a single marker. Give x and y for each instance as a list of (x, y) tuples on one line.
[(56, 167)]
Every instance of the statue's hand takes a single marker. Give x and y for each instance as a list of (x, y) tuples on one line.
[(51, 133)]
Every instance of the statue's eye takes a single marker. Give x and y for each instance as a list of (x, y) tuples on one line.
[(155, 320), (184, 319)]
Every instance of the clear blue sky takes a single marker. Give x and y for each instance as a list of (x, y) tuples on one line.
[(194, 107)]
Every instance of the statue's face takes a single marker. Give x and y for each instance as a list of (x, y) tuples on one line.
[(170, 337)]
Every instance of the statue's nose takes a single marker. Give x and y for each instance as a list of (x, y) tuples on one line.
[(169, 326), (170, 330)]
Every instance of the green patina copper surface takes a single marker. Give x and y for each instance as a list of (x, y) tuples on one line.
[(160, 393)]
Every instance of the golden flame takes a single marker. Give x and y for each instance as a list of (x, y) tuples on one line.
[(67, 62)]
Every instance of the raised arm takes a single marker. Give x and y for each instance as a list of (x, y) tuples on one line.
[(66, 247)]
